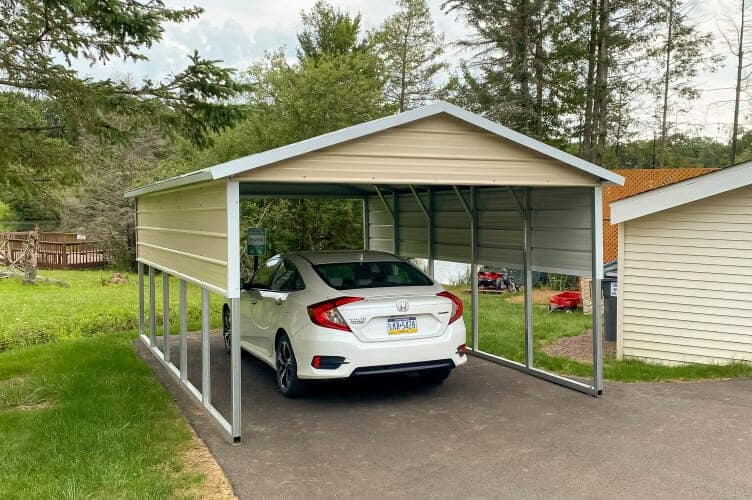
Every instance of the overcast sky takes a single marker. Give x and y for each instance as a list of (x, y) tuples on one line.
[(240, 31)]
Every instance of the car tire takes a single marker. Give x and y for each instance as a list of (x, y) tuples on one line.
[(435, 376), (226, 328), (286, 368)]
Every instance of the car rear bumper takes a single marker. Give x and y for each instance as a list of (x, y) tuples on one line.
[(371, 358)]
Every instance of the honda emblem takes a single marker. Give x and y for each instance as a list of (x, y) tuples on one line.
[(403, 305)]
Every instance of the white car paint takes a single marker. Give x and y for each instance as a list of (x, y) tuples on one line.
[(266, 312)]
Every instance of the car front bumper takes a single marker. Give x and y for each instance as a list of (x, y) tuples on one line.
[(362, 358)]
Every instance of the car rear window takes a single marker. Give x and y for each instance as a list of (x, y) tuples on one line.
[(352, 275)]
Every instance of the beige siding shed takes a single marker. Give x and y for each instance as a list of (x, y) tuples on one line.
[(685, 277)]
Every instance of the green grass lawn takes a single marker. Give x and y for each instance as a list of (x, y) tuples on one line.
[(502, 326), (87, 419), (42, 313)]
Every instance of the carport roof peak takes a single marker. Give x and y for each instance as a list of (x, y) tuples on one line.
[(271, 156)]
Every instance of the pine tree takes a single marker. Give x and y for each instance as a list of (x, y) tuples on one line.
[(411, 49)]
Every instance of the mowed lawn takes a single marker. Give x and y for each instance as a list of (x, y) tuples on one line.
[(81, 415), (91, 306), (502, 332), (86, 418)]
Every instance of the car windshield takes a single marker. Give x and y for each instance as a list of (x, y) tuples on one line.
[(352, 275)]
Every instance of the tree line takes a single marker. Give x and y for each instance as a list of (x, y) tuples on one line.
[(581, 75)]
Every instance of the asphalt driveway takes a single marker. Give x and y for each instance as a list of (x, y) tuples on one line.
[(488, 431)]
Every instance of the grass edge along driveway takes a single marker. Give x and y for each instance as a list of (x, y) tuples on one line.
[(88, 418)]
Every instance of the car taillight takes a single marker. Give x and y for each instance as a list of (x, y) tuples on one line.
[(456, 306), (327, 315)]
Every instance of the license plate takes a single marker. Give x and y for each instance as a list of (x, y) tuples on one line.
[(397, 326)]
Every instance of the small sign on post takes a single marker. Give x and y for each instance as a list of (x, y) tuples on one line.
[(256, 244)]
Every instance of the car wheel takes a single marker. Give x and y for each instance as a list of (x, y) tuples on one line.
[(287, 369), (436, 376), (499, 285), (226, 328)]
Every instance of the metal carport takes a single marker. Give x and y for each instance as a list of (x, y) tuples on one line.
[(436, 182)]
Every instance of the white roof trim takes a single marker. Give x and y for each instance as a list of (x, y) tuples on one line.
[(181, 180), (250, 162), (681, 193)]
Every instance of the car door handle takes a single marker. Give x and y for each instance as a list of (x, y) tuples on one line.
[(254, 301), (278, 301)]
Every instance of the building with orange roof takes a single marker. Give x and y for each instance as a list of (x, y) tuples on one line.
[(638, 180)]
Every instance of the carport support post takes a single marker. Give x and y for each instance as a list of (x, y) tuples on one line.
[(597, 253), (366, 224), (474, 265), (205, 354), (152, 308), (235, 367), (183, 332), (395, 222), (431, 234), (166, 316), (528, 259), (140, 267)]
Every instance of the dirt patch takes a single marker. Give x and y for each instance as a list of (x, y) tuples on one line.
[(579, 348), (540, 296), (199, 459), (44, 405)]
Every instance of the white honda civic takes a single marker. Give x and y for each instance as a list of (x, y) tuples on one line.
[(328, 315)]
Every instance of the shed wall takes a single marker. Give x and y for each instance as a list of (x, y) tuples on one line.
[(686, 282), (439, 149), (184, 231), (560, 223)]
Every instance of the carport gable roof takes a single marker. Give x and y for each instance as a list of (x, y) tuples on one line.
[(247, 163), (681, 193)]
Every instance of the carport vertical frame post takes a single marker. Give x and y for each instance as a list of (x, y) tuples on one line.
[(366, 224), (141, 323), (166, 316), (474, 265), (431, 234), (596, 292), (152, 308), (205, 353), (233, 294), (236, 423), (395, 222), (528, 263), (183, 331)]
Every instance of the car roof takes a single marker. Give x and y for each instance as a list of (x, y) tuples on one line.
[(337, 256)]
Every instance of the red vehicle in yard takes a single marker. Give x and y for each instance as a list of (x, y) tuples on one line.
[(498, 281)]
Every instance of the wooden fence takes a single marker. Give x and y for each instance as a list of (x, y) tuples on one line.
[(56, 250)]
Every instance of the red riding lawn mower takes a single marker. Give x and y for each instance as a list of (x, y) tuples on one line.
[(497, 281)]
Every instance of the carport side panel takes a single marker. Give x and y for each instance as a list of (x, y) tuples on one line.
[(183, 231)]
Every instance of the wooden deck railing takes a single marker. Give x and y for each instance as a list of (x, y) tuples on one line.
[(56, 250)]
